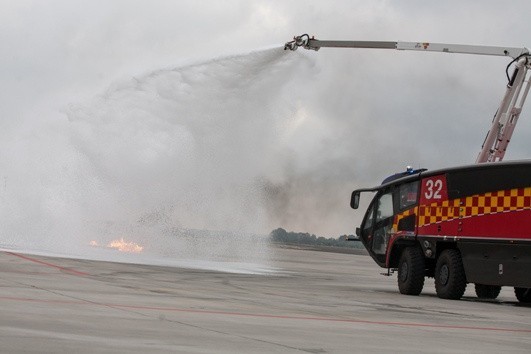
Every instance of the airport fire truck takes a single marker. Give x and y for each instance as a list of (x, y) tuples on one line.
[(460, 225)]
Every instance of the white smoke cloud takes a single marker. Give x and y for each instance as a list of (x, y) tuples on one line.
[(195, 141)]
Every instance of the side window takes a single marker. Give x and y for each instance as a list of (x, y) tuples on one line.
[(385, 207), (408, 195), (369, 218), (383, 224)]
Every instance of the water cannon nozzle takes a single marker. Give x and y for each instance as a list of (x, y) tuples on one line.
[(298, 41)]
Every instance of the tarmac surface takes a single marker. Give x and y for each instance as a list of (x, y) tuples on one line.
[(316, 302)]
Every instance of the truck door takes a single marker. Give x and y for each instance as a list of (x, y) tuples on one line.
[(377, 226)]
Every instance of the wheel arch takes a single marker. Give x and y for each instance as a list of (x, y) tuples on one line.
[(397, 249)]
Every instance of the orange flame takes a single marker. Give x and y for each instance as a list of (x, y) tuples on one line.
[(124, 246), (121, 245)]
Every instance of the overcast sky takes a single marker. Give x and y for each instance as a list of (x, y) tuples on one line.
[(70, 71)]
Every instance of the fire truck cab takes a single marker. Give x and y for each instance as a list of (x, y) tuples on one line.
[(469, 224)]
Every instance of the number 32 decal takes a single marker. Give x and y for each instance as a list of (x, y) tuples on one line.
[(433, 189)]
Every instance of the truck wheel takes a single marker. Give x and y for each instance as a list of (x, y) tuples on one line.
[(450, 278), (523, 294), (487, 291), (411, 270)]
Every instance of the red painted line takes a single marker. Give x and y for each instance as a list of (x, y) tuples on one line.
[(283, 317), (63, 269)]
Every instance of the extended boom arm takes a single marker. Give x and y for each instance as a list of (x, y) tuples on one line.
[(506, 116)]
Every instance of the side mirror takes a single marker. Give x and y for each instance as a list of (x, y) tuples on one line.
[(358, 232), (355, 200)]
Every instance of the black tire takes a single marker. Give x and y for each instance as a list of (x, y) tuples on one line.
[(411, 270), (450, 278), (523, 294), (487, 291)]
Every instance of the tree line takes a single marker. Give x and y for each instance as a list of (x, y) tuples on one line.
[(299, 238)]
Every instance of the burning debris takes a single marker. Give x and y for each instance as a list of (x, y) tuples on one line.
[(121, 245)]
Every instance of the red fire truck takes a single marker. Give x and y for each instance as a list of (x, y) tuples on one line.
[(468, 224)]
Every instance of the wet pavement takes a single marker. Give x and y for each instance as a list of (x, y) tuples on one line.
[(315, 302)]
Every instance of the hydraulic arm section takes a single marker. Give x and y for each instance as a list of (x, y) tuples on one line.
[(506, 116)]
